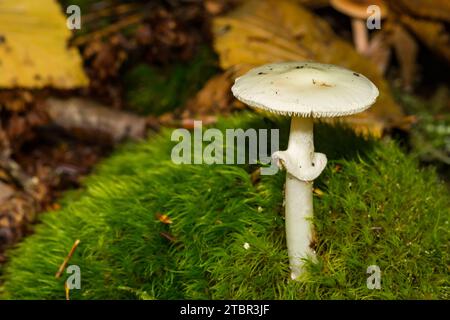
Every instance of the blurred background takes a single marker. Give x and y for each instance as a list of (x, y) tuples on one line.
[(75, 83)]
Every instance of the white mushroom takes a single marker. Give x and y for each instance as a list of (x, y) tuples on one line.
[(303, 90)]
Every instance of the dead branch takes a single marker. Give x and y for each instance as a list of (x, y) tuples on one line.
[(88, 119)]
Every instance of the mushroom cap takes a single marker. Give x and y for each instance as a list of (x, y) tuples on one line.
[(358, 8), (306, 89)]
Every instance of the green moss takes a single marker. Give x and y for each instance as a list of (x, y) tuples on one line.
[(379, 208), (150, 89)]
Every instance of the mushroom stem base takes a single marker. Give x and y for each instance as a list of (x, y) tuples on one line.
[(299, 228)]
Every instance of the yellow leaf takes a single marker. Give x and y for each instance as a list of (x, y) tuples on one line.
[(318, 192), (33, 47), (337, 168), (265, 31), (164, 218)]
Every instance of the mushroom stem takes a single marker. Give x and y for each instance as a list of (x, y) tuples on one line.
[(303, 165), (299, 197), (360, 35)]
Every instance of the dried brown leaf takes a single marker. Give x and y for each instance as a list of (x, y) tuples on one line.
[(432, 33), (429, 9), (406, 50)]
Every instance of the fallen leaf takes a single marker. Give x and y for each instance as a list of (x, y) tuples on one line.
[(318, 192), (379, 51), (406, 50), (189, 123), (265, 31), (33, 47), (216, 7), (6, 191), (433, 34), (255, 177), (4, 222), (314, 3), (214, 97), (54, 207), (430, 9), (164, 218)]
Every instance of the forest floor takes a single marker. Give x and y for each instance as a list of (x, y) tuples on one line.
[(155, 74)]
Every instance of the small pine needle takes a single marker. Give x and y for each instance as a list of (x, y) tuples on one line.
[(66, 260), (66, 288), (168, 237)]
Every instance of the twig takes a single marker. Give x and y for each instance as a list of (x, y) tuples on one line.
[(168, 237), (66, 260), (107, 12), (95, 121), (128, 21)]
